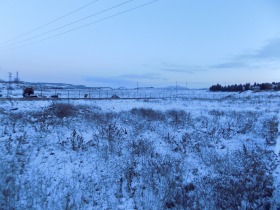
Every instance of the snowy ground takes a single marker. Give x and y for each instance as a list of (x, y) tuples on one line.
[(140, 154)]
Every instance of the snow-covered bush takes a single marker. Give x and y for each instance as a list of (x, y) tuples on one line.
[(136, 158), (148, 114), (241, 180), (75, 142), (271, 130), (62, 110), (177, 118)]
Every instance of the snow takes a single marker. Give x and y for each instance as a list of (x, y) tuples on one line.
[(138, 153), (277, 146)]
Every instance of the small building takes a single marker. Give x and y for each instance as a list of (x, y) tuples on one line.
[(256, 88)]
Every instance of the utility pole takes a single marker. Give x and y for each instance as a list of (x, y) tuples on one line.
[(0, 78), (10, 84), (17, 78), (10, 79), (137, 87)]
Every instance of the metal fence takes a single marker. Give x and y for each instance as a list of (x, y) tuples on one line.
[(136, 94)]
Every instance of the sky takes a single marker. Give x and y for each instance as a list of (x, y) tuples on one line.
[(194, 43)]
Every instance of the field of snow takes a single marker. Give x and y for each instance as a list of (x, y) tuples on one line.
[(172, 153)]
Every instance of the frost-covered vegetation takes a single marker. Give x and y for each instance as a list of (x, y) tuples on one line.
[(153, 154)]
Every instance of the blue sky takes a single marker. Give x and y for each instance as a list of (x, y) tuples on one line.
[(195, 42)]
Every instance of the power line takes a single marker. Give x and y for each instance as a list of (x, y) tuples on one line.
[(49, 23), (69, 24), (89, 24)]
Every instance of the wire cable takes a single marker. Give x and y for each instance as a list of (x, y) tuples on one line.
[(69, 24), (49, 23), (86, 25)]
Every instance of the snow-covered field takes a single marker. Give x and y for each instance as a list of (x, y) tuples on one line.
[(168, 153)]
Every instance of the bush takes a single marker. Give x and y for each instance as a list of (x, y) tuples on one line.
[(142, 148), (177, 117), (271, 130), (62, 110), (148, 114), (242, 180)]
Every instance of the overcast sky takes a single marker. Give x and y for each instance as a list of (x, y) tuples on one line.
[(198, 42)]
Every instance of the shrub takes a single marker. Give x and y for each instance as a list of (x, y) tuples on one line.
[(177, 117), (75, 142), (148, 114), (142, 147), (242, 180), (217, 113), (245, 121), (62, 110), (271, 130)]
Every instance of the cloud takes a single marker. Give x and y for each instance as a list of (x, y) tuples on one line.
[(269, 52), (109, 81), (180, 68), (179, 71), (231, 64), (127, 80), (147, 76)]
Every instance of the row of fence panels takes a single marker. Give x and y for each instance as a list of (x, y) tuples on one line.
[(112, 94)]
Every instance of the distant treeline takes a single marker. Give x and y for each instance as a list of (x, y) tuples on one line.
[(247, 86)]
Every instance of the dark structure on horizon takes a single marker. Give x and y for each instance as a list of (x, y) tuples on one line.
[(27, 92), (238, 88)]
